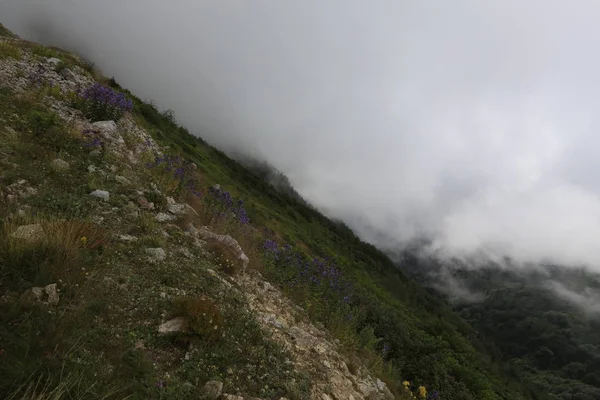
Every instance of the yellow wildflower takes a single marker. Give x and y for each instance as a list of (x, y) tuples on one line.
[(422, 392), (83, 240), (406, 384)]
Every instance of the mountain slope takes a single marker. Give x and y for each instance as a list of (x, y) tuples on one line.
[(133, 255)]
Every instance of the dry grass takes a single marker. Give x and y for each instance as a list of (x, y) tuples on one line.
[(203, 317), (225, 257), (61, 253)]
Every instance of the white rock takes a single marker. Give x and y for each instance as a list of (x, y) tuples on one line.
[(91, 169), (172, 326), (162, 217), (127, 238), (52, 293), (226, 396), (47, 294), (29, 232), (176, 209), (103, 194), (156, 253), (105, 128), (53, 61)]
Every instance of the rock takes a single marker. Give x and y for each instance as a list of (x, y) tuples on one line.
[(162, 217), (59, 165), (95, 153), (127, 238), (31, 232), (140, 345), (157, 253), (212, 390), (172, 326), (176, 209), (193, 166), (103, 194), (53, 61), (47, 294), (320, 349), (33, 294), (186, 252), (105, 128), (145, 204), (226, 396), (91, 169), (327, 364), (227, 240), (52, 293), (122, 180), (325, 396), (68, 74)]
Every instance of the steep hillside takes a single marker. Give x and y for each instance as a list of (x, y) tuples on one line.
[(137, 261)]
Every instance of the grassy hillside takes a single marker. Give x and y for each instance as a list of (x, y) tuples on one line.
[(381, 319)]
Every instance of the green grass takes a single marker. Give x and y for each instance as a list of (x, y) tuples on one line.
[(9, 50)]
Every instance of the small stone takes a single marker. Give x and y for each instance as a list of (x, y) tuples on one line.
[(102, 194), (127, 238), (95, 153), (157, 253), (327, 364), (163, 295), (163, 217), (172, 326), (176, 209), (212, 390), (194, 166), (122, 180), (140, 345), (10, 130), (325, 396), (59, 165), (91, 169), (52, 293), (33, 294), (53, 61), (31, 232)]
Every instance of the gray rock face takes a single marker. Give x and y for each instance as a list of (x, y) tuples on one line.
[(29, 232), (157, 254), (212, 390), (176, 209), (68, 74), (172, 326)]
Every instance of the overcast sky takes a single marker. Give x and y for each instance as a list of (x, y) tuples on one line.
[(472, 121)]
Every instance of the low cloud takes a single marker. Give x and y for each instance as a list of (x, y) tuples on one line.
[(471, 123)]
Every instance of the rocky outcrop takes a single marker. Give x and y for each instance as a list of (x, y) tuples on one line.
[(48, 295)]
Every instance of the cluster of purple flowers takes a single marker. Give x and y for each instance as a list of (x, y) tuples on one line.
[(178, 167), (99, 102), (225, 205), (91, 138), (318, 273)]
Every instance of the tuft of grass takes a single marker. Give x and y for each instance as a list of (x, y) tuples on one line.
[(225, 257), (61, 254), (46, 52), (203, 317), (9, 50)]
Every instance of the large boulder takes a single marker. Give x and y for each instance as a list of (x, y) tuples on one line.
[(227, 240)]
